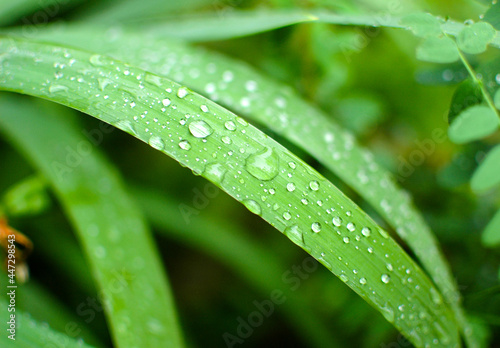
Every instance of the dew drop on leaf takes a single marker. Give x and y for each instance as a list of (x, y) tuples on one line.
[(185, 145), (156, 142), (253, 206), (337, 221), (287, 216), (295, 234), (290, 187), (230, 125), (314, 185), (351, 227), (263, 165), (182, 92), (366, 231), (215, 172), (344, 278), (385, 278), (200, 129), (316, 227)]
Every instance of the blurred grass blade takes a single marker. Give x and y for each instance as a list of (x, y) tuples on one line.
[(236, 24), (114, 237), (245, 256), (491, 234), (132, 10), (251, 167), (42, 306), (30, 333), (11, 11)]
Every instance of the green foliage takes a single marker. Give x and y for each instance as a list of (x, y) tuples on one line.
[(275, 148)]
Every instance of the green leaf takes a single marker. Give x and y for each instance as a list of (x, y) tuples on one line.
[(219, 147), (275, 106), (496, 99), (245, 256), (29, 333), (487, 175), (472, 124), (27, 197), (492, 16), (422, 24), (114, 237), (491, 234), (438, 50), (466, 95), (474, 39)]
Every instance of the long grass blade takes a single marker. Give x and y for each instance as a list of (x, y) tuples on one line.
[(114, 237), (276, 106), (29, 333), (251, 167)]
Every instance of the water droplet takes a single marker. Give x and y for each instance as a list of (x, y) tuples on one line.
[(351, 226), (366, 231), (185, 145), (287, 216), (166, 102), (314, 185), (263, 165), (241, 121), (204, 108), (385, 278), (389, 267), (344, 278), (182, 92), (230, 125), (337, 221), (436, 298), (291, 165), (290, 187), (226, 140), (348, 213), (96, 60), (295, 234), (346, 240), (362, 281), (57, 89), (383, 233), (388, 313), (215, 172), (103, 82), (251, 86), (126, 126), (253, 206), (316, 227), (200, 129), (370, 250), (156, 142), (304, 201)]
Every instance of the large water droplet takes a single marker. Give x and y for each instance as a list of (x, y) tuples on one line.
[(314, 185), (337, 221), (126, 126), (316, 227), (166, 102), (287, 216), (295, 234), (57, 88), (156, 142), (230, 125), (182, 92), (366, 231), (185, 145), (290, 187), (263, 165), (253, 206), (385, 278), (362, 281), (351, 226), (200, 129), (215, 172)]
